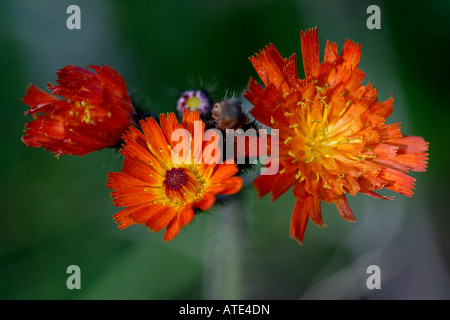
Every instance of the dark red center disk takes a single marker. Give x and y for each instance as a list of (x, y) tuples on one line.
[(175, 178)]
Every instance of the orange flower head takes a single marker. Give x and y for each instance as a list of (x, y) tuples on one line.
[(332, 131), (161, 188), (95, 111)]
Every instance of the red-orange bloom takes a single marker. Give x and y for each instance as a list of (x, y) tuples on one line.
[(158, 192), (94, 114), (333, 135)]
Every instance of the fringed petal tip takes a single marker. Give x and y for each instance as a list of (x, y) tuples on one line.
[(311, 32), (122, 221), (310, 52)]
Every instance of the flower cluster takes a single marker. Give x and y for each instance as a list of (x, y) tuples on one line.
[(333, 138)]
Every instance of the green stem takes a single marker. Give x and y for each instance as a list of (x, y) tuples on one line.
[(224, 256)]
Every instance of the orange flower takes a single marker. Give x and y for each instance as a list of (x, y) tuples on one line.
[(94, 114), (333, 135), (158, 192)]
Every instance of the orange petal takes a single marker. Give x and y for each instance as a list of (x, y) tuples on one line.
[(354, 82), (140, 171), (351, 184), (231, 185), (299, 221), (331, 54), (311, 203), (184, 216), (397, 181), (350, 54), (37, 99), (314, 211), (206, 202), (371, 183), (413, 161), (160, 217), (150, 214), (119, 180), (169, 123), (412, 152), (190, 117), (122, 217), (257, 95), (375, 195), (299, 191), (290, 70), (384, 108), (267, 103), (344, 209), (156, 140), (223, 171), (132, 196), (136, 149), (385, 151), (310, 52), (391, 163), (145, 212), (269, 66), (263, 184), (390, 131), (282, 183)]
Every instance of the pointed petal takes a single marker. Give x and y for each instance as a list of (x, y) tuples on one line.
[(119, 180), (281, 184), (384, 108), (223, 171), (141, 172), (263, 184), (159, 217), (133, 196), (299, 221), (344, 209), (169, 124), (314, 211), (155, 140), (375, 195), (206, 202), (184, 216), (231, 185)]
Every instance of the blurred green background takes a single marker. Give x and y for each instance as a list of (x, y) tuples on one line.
[(57, 212)]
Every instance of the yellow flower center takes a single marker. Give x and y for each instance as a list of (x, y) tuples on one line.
[(82, 111), (193, 103), (318, 132)]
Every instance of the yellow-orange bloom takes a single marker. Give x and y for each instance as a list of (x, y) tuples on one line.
[(333, 135), (158, 192)]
